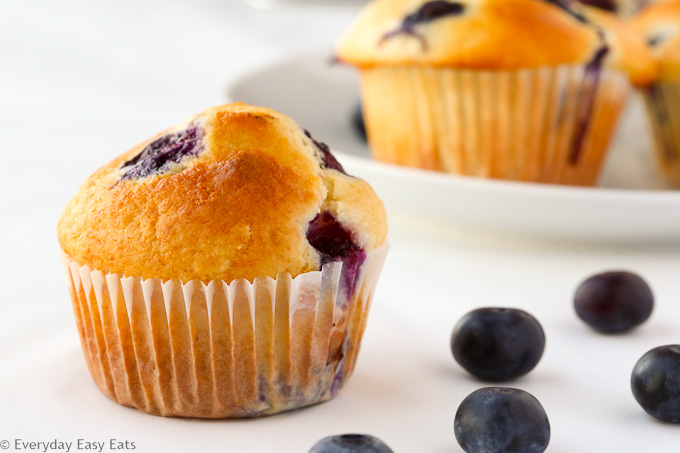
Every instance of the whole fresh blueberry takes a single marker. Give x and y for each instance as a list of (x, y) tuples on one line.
[(498, 344), (501, 419), (347, 443), (614, 302), (656, 383)]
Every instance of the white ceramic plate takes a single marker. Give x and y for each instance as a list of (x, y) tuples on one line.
[(270, 4), (628, 207)]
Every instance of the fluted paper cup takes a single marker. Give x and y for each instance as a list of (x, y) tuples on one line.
[(223, 349), (549, 125), (663, 106)]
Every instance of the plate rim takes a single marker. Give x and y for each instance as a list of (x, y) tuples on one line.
[(536, 189), (527, 188)]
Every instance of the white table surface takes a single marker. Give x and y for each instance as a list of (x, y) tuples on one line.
[(82, 81)]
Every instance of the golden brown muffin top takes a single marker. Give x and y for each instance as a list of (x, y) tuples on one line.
[(472, 34), (235, 192), (628, 51), (659, 23)]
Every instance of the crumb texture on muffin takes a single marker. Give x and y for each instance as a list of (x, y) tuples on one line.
[(472, 34), (228, 194)]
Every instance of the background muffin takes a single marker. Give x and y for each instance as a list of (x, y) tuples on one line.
[(179, 241), (660, 25), (627, 50), (468, 87)]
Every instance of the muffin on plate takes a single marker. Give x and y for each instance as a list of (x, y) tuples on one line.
[(660, 25), (511, 89), (223, 268)]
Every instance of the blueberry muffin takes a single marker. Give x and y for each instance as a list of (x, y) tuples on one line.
[(223, 268), (511, 89), (660, 25)]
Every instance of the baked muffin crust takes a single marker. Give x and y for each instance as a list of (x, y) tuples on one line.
[(228, 194), (472, 34)]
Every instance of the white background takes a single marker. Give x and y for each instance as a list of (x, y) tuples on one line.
[(80, 82)]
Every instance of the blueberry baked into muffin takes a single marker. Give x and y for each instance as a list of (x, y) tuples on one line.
[(660, 25), (512, 89), (223, 268), (623, 8)]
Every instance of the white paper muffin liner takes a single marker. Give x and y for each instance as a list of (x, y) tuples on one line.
[(218, 350), (663, 107), (550, 124)]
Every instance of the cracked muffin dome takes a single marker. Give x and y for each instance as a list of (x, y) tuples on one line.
[(235, 192), (471, 34), (659, 23)]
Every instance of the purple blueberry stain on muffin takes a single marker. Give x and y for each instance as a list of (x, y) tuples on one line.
[(327, 158), (161, 154), (566, 5), (340, 375), (613, 5), (334, 242), (330, 238), (262, 390), (591, 80), (607, 5), (428, 12), (338, 379)]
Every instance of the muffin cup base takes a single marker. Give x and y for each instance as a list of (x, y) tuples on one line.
[(549, 125), (222, 350)]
